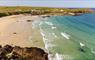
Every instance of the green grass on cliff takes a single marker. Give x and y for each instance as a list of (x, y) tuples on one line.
[(6, 10)]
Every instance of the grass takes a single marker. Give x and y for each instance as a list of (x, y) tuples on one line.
[(14, 10)]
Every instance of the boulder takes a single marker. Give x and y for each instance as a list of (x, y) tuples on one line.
[(22, 53)]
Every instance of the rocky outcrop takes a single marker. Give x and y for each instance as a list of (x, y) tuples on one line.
[(22, 53)]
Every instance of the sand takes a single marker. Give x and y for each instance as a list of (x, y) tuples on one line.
[(16, 30)]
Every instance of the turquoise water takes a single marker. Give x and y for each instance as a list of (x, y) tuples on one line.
[(76, 30)]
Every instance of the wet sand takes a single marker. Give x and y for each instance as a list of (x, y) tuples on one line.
[(17, 30)]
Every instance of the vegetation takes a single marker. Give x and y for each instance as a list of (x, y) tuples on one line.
[(5, 11)]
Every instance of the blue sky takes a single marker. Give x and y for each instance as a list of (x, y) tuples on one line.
[(50, 3)]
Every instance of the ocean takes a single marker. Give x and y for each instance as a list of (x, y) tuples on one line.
[(69, 37)]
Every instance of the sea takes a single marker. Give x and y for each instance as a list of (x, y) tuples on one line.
[(69, 37)]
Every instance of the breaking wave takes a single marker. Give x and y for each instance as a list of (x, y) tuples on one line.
[(49, 23), (67, 36)]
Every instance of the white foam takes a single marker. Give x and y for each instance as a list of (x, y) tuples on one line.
[(59, 56), (65, 35), (81, 44), (44, 39), (49, 56), (49, 23), (53, 27), (48, 45), (54, 35), (42, 34), (92, 51)]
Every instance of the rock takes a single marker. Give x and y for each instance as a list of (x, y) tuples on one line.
[(0, 46), (29, 53), (15, 56), (14, 33), (6, 49), (44, 16), (29, 20), (81, 49), (22, 53)]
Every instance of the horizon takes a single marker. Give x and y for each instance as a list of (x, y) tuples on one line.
[(49, 3)]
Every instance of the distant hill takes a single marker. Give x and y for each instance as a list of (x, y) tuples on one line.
[(14, 10)]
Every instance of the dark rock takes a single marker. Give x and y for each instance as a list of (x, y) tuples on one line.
[(14, 33), (0, 46), (29, 20), (29, 53), (15, 56), (81, 49), (46, 16), (22, 53), (6, 49)]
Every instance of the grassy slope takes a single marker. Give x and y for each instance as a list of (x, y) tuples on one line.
[(5, 10), (23, 8)]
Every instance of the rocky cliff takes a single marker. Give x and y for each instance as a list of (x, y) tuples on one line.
[(8, 52)]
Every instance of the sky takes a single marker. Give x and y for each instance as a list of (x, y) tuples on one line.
[(50, 3)]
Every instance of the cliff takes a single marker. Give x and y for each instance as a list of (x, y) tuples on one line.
[(6, 11)]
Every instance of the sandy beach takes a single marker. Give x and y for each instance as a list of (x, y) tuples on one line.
[(17, 30)]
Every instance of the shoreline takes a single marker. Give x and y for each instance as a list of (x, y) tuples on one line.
[(24, 24)]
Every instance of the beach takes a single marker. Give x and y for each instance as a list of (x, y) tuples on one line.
[(62, 37), (17, 30)]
